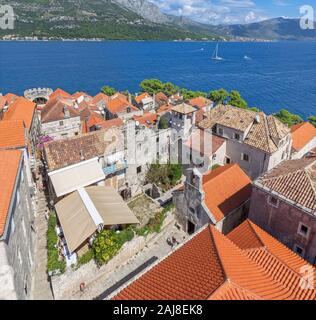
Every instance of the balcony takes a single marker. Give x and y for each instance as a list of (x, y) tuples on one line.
[(118, 166)]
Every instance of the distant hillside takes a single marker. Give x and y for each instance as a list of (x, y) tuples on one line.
[(273, 29), (96, 19)]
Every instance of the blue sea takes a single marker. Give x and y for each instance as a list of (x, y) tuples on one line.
[(277, 75)]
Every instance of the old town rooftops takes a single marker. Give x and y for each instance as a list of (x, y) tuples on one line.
[(262, 132), (215, 267), (295, 180), (184, 108), (225, 188), (302, 134), (69, 151)]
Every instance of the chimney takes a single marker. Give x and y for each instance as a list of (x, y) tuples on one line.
[(257, 118), (66, 112), (129, 98)]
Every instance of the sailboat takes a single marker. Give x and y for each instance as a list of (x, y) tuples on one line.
[(215, 55)]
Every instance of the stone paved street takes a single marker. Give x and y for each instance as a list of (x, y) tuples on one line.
[(41, 286), (159, 248)]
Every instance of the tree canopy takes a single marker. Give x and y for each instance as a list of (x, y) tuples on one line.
[(218, 96), (108, 90), (312, 120), (236, 100), (288, 118)]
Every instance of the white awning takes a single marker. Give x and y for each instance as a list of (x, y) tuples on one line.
[(77, 176), (81, 213)]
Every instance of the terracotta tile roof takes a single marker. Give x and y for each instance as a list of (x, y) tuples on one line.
[(295, 180), (142, 96), (107, 124), (63, 153), (80, 94), (54, 110), (148, 119), (226, 188), (3, 102), (100, 97), (210, 266), (161, 98), (192, 272), (21, 109), (59, 93), (164, 108), (12, 134), (118, 104), (260, 135), (10, 97), (184, 108), (302, 134), (204, 142), (200, 102), (9, 168)]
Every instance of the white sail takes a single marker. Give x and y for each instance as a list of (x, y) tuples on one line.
[(215, 54)]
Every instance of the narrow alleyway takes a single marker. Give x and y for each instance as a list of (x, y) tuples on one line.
[(41, 289)]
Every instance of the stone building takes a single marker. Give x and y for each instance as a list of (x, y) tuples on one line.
[(304, 139), (255, 141), (145, 101), (204, 150), (220, 197), (94, 158), (21, 109), (284, 204), (60, 119), (16, 227), (120, 107)]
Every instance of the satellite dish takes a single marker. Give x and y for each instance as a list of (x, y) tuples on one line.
[(137, 123)]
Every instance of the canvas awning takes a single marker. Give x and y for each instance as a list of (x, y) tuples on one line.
[(81, 213), (77, 176)]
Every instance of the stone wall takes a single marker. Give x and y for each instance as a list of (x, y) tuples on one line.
[(19, 239), (68, 284), (283, 222)]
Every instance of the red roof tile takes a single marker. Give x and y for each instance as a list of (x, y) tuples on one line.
[(9, 165), (199, 102), (226, 188), (59, 93), (118, 104), (211, 266), (302, 134), (12, 134), (21, 109), (141, 96), (148, 119)]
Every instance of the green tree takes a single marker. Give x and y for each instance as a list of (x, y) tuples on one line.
[(108, 90), (218, 96), (189, 94), (236, 100), (151, 86), (170, 89), (312, 120), (163, 123), (288, 118)]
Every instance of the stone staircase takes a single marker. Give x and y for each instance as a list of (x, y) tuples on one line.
[(41, 289)]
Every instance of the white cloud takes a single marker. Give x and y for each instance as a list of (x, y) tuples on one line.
[(212, 11)]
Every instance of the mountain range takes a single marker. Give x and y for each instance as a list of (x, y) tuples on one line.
[(134, 20)]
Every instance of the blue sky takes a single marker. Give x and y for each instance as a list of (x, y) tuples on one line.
[(232, 11)]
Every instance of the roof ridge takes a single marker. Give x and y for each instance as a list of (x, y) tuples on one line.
[(268, 132), (255, 233), (292, 291), (218, 254)]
